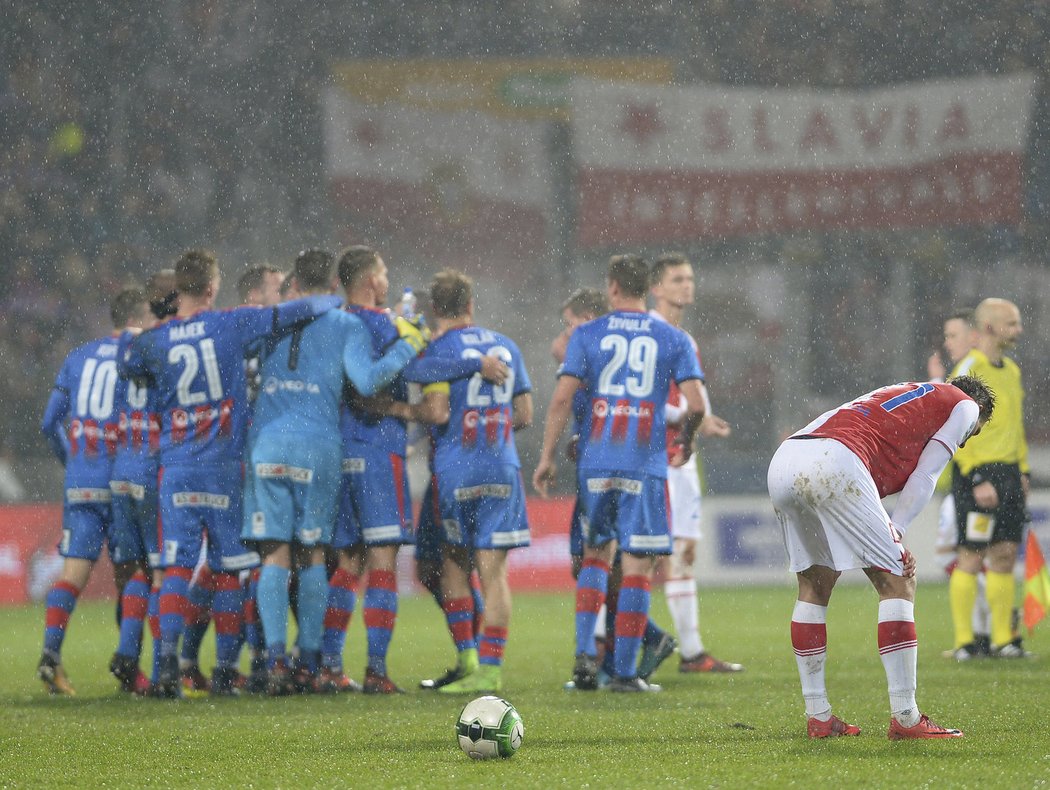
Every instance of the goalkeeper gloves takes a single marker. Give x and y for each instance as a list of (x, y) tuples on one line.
[(413, 332)]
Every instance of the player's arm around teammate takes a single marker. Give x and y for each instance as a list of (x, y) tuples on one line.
[(479, 489)]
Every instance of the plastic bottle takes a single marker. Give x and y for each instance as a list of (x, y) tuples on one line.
[(408, 304)]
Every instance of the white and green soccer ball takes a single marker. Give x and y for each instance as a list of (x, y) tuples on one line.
[(489, 727)]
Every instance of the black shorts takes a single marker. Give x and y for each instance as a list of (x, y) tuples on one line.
[(977, 527)]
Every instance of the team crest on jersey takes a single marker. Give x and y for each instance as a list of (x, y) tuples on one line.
[(353, 466), (599, 485), (200, 499), (296, 474)]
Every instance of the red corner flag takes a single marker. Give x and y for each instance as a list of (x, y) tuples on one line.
[(1036, 584)]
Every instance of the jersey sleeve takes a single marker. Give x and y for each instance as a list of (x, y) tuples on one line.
[(53, 424), (687, 364), (957, 428), (370, 375), (934, 457), (575, 363), (259, 322), (430, 368)]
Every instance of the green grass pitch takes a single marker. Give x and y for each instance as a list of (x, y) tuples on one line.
[(746, 730)]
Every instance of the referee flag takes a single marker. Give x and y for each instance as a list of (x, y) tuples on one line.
[(1036, 584)]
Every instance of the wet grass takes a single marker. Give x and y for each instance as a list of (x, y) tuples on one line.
[(745, 730)]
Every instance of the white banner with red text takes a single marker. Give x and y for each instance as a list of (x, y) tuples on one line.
[(442, 182), (661, 164)]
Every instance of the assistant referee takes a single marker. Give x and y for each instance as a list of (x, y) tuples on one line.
[(990, 485)]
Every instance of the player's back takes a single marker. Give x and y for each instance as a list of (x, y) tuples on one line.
[(138, 449), (384, 432), (198, 367), (89, 377), (889, 427), (627, 361), (301, 380), (480, 429)]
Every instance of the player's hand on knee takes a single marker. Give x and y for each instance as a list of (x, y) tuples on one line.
[(909, 564), (413, 332)]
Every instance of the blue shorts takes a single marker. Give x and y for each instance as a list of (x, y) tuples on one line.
[(87, 519), (627, 507), (292, 489), (374, 505), (134, 534), (199, 499), (483, 508), (429, 535)]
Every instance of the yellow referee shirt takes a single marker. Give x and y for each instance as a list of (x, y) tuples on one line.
[(1002, 440)]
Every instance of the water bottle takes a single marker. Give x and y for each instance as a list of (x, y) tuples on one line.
[(408, 304)]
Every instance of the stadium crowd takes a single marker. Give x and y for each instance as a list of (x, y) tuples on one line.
[(200, 122)]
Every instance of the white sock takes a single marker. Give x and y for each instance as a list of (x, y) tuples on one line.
[(899, 650), (809, 639), (685, 614)]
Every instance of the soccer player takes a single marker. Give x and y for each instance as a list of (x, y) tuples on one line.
[(480, 495), (374, 516), (374, 519), (81, 423), (960, 336), (133, 486), (196, 363), (673, 289), (626, 361), (296, 455), (583, 305), (990, 487), (261, 286), (827, 482)]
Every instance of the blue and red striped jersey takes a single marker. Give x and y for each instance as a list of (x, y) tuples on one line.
[(196, 365), (627, 362), (81, 421), (480, 427)]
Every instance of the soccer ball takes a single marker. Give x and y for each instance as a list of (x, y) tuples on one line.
[(489, 727)]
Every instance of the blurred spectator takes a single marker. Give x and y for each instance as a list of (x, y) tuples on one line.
[(11, 488), (129, 132)]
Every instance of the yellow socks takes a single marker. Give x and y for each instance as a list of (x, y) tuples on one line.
[(962, 594), (1001, 590)]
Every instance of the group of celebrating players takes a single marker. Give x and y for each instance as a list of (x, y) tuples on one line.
[(245, 463), (250, 462)]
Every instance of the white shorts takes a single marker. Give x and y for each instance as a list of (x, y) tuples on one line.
[(683, 492), (830, 510)]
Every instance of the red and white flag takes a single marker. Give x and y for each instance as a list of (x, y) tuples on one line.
[(441, 181), (668, 163)]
